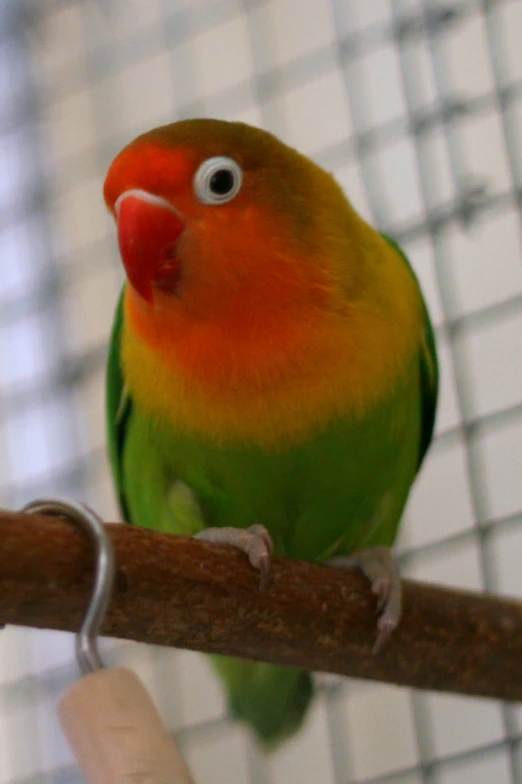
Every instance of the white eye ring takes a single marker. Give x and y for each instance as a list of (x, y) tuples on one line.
[(217, 180)]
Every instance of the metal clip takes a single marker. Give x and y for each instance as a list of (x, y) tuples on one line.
[(81, 516)]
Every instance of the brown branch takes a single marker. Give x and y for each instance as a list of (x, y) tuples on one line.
[(181, 592)]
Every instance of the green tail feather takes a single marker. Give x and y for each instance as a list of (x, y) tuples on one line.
[(271, 699)]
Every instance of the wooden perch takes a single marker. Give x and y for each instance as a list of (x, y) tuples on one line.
[(176, 591)]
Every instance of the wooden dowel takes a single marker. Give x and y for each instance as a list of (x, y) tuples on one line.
[(186, 593), (116, 732)]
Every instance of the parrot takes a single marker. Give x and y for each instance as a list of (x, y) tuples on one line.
[(272, 374)]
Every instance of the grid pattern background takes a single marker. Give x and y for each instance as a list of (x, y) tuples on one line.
[(416, 106)]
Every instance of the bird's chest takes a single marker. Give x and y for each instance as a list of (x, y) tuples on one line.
[(314, 497)]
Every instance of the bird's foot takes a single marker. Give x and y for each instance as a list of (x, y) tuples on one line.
[(255, 542), (378, 565)]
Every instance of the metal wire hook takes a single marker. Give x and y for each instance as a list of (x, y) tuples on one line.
[(80, 515)]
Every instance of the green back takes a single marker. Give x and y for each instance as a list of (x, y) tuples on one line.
[(118, 407), (429, 369)]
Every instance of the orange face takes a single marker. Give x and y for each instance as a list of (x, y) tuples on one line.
[(205, 252)]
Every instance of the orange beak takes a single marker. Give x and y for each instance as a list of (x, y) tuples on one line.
[(148, 232)]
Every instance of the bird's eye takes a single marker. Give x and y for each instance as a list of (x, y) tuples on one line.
[(217, 180)]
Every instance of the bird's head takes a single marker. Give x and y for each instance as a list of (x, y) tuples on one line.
[(222, 220)]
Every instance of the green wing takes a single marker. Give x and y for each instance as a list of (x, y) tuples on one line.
[(429, 369), (118, 407)]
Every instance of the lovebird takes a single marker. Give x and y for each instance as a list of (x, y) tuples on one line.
[(272, 375)]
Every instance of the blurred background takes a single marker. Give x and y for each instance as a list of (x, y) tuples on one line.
[(416, 107)]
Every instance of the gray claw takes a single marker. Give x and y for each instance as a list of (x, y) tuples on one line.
[(264, 572), (379, 567), (384, 630), (255, 542)]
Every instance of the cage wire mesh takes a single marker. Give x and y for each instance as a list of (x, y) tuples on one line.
[(416, 108)]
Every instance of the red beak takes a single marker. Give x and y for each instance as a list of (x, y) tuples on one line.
[(148, 232)]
